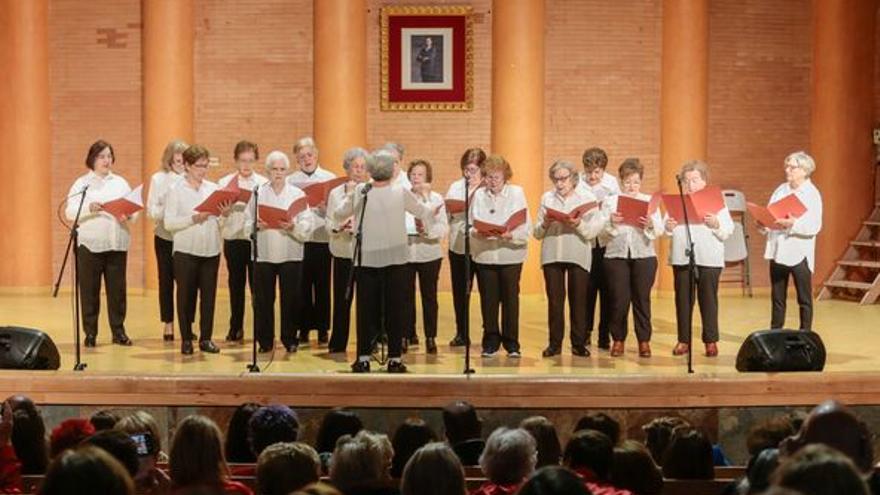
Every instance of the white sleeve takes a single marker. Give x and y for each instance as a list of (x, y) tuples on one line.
[(725, 225), (176, 218), (810, 223)]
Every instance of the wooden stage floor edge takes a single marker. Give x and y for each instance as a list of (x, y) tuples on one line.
[(429, 391)]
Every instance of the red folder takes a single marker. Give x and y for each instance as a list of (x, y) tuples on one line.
[(577, 212), (454, 206), (789, 206), (127, 205), (274, 217), (228, 194), (492, 229), (317, 192), (672, 203), (707, 201), (632, 209)]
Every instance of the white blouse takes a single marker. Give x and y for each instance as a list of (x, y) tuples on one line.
[(708, 243), (456, 220), (197, 239), (607, 187), (790, 247), (319, 234), (232, 226), (160, 183), (279, 245), (629, 241), (497, 209), (564, 244), (99, 232), (384, 240), (425, 246), (341, 239)]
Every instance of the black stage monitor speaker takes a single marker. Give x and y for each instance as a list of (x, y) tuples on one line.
[(781, 350), (27, 349)]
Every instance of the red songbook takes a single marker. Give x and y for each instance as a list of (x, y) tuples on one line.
[(672, 203), (317, 192), (707, 201), (454, 206), (274, 217), (789, 206), (127, 205), (228, 194), (577, 212), (632, 209), (492, 229)]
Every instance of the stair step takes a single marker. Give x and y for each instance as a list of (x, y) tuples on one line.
[(848, 284), (860, 263), (865, 243)]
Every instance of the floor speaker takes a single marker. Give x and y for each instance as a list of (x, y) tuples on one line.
[(27, 349), (781, 350)]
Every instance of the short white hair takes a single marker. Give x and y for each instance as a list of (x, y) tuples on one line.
[(395, 148), (802, 160), (277, 156), (509, 456), (351, 155), (306, 142), (380, 165)]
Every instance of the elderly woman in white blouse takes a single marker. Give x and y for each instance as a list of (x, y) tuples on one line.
[(196, 249), (499, 257), (791, 243), (630, 262), (566, 254), (425, 256), (279, 257), (708, 237), (102, 243), (160, 183), (381, 263), (341, 239)]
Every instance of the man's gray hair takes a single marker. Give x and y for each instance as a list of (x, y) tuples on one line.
[(510, 456)]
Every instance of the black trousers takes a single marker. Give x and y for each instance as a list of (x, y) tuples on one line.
[(460, 284), (707, 296), (555, 276), (803, 285), (91, 268), (597, 290), (287, 277), (341, 305), (499, 288), (316, 287), (378, 293), (630, 281), (428, 274), (164, 260), (196, 278), (238, 265)]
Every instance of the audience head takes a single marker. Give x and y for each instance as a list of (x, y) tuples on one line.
[(336, 423), (143, 423), (820, 470), (658, 431), (238, 447), (633, 469), (768, 434), (85, 471), (28, 435), (119, 445), (460, 422), (546, 439), (589, 449), (104, 419), (318, 489), (196, 453), (688, 456), (409, 437), (285, 467), (69, 434), (833, 424), (553, 480), (600, 422), (434, 469), (760, 468), (272, 424), (363, 460), (509, 456)]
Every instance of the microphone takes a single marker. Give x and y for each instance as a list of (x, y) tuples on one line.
[(366, 188), (679, 178)]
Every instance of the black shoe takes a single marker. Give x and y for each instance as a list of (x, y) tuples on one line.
[(605, 345), (168, 337), (414, 340), (90, 341), (322, 337), (333, 350), (235, 336), (208, 346), (396, 367), (186, 347), (580, 351), (551, 351), (430, 345), (457, 342), (360, 366), (122, 339), (264, 350), (291, 348)]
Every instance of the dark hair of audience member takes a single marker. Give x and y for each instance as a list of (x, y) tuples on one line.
[(104, 419), (600, 422), (272, 424), (778, 490), (761, 467), (433, 469), (286, 467), (86, 470), (589, 449), (658, 431), (633, 469), (688, 456), (69, 434), (196, 453), (460, 422), (553, 480), (546, 438), (238, 448), (318, 489), (768, 434), (118, 444), (411, 435), (336, 423), (28, 435), (820, 470)]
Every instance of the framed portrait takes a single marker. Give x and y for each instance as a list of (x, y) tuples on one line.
[(427, 58)]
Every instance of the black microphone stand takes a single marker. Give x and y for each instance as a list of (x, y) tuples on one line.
[(253, 367), (72, 241), (693, 277), (467, 277)]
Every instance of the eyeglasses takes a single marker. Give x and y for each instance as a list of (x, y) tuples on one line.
[(562, 179)]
